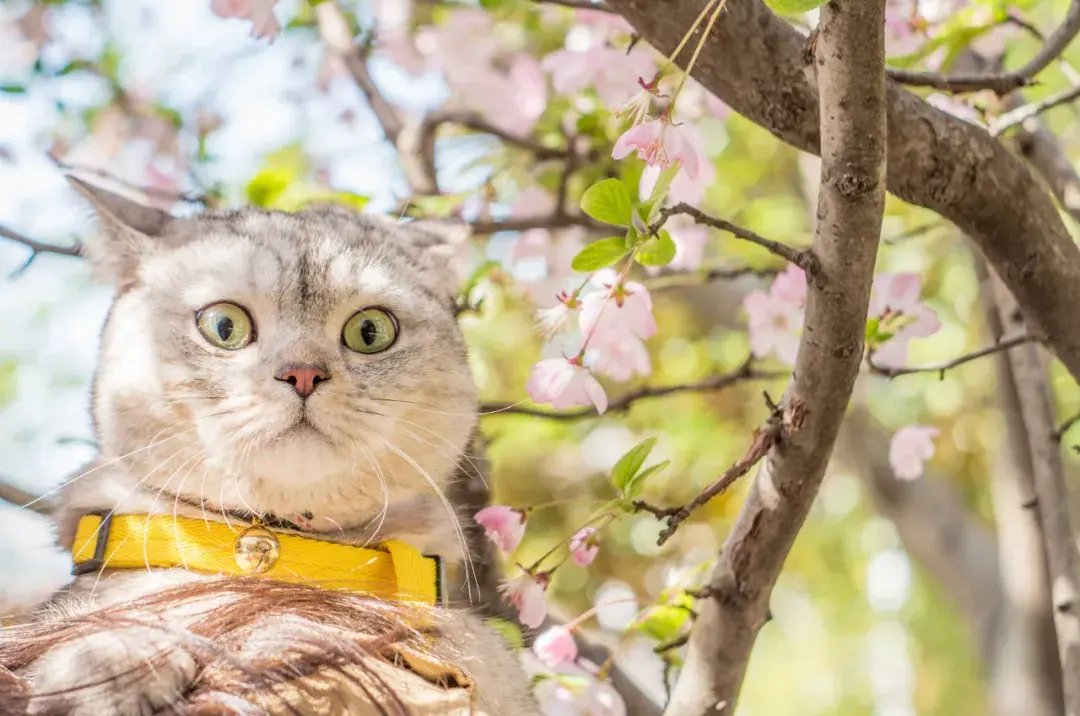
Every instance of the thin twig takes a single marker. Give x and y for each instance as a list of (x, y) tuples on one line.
[(473, 120), (698, 278), (675, 643), (745, 372), (579, 4), (1064, 427), (913, 233), (37, 248), (556, 220), (1002, 82), (1024, 112), (803, 258), (776, 427), (940, 368)]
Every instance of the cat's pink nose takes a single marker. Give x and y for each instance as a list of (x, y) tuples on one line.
[(303, 378)]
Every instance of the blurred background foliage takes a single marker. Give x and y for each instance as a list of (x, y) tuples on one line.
[(162, 94)]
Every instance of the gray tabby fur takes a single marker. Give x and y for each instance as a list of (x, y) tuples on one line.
[(179, 421)]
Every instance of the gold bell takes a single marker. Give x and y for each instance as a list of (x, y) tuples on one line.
[(256, 550)]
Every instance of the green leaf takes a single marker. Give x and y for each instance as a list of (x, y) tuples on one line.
[(266, 187), (663, 183), (600, 254), (663, 622), (13, 89), (637, 482), (657, 252), (793, 7), (629, 464), (608, 201)]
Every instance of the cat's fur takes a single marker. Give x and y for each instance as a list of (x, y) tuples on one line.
[(181, 422)]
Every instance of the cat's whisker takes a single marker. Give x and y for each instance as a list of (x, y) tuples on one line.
[(439, 450), (120, 502), (465, 551), (381, 517), (161, 490), (468, 458), (100, 466)]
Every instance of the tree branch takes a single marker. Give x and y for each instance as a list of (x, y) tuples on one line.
[(553, 221), (1063, 559), (745, 372), (579, 4), (778, 426), (1025, 676), (1025, 112), (1004, 82), (680, 279), (473, 120), (940, 368), (935, 160), (803, 258), (38, 247), (406, 138), (850, 70)]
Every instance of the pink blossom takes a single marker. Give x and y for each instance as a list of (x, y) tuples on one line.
[(683, 187), (773, 326), (911, 446), (612, 73), (610, 315), (553, 320), (556, 646), (584, 546), (463, 46), (658, 143), (503, 525), (789, 287), (894, 300), (512, 100), (527, 594), (690, 244), (564, 383), (260, 12), (776, 317), (904, 28), (621, 360)]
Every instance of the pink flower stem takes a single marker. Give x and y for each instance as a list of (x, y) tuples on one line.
[(623, 273), (689, 33), (609, 516), (588, 614), (697, 51)]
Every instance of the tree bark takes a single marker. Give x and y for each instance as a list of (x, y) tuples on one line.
[(1025, 676), (851, 73), (1051, 494), (755, 62)]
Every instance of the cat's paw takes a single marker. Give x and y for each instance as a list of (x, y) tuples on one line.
[(120, 672)]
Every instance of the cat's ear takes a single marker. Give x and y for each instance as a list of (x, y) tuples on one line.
[(445, 243), (125, 233)]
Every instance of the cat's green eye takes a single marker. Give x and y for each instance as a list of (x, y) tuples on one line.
[(226, 325), (370, 330)]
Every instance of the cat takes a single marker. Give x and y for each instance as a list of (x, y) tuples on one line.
[(306, 366)]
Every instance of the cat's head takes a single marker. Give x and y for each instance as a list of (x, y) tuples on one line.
[(280, 362)]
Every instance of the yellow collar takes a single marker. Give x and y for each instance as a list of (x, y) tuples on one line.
[(392, 570)]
